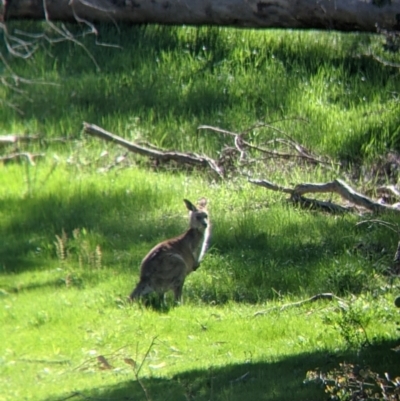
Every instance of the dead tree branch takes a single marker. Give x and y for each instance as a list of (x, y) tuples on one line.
[(23, 45), (327, 295), (21, 156), (242, 145), (12, 139), (388, 193), (336, 186), (164, 156)]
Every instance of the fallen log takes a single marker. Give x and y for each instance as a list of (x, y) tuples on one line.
[(343, 15)]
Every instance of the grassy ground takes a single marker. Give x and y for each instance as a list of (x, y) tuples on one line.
[(165, 81), (73, 234)]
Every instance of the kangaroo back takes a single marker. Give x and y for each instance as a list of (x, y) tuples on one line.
[(166, 266)]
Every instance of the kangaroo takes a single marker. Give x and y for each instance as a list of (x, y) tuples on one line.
[(166, 266)]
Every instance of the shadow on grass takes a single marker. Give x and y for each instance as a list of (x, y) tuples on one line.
[(133, 80), (317, 259), (115, 221), (246, 264), (280, 380), (137, 82)]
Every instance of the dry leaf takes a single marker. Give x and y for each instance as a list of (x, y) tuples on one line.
[(130, 361), (104, 365)]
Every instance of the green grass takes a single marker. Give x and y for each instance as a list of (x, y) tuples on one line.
[(72, 234), (70, 255), (166, 81)]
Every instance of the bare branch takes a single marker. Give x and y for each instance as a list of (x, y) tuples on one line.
[(382, 61), (13, 106), (136, 370), (240, 143), (390, 226), (317, 297), (11, 139), (335, 186), (19, 156), (166, 156), (219, 130), (270, 124), (68, 35)]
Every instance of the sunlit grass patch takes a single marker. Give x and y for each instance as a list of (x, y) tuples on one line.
[(73, 230)]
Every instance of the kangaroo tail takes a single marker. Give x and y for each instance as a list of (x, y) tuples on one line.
[(140, 290)]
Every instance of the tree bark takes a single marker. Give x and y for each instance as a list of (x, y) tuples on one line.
[(342, 15)]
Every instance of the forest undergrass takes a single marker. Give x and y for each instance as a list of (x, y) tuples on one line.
[(73, 232)]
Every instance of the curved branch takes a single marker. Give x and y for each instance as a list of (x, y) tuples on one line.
[(166, 156), (317, 297), (335, 186)]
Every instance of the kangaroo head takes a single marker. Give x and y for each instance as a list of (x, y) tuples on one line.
[(197, 215)]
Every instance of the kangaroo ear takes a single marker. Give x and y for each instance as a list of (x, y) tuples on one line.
[(190, 206)]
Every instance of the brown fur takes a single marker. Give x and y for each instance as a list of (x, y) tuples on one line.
[(166, 266)]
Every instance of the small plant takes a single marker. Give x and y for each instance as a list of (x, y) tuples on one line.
[(79, 246), (356, 383), (350, 322), (61, 247), (350, 278), (86, 256)]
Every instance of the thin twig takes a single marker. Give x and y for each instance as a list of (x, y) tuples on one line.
[(271, 123), (68, 35), (382, 61), (327, 295), (18, 156), (136, 371), (390, 226), (240, 143), (95, 357), (216, 129), (75, 394), (46, 361), (241, 378)]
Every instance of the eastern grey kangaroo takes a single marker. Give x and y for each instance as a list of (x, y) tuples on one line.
[(166, 266)]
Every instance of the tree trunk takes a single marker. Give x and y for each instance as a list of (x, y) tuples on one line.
[(343, 15)]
